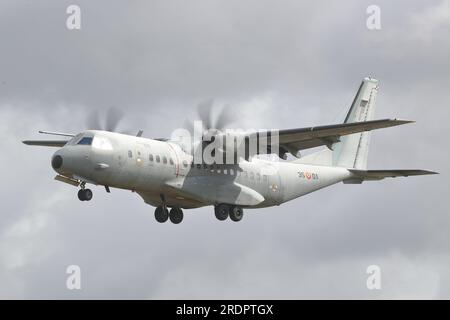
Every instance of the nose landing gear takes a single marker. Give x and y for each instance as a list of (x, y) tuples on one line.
[(85, 195)]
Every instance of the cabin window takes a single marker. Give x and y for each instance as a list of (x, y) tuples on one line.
[(165, 160), (185, 164), (225, 171), (150, 157), (171, 162), (158, 159), (130, 154), (199, 166), (232, 172)]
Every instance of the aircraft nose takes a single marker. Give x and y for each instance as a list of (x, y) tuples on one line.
[(57, 162)]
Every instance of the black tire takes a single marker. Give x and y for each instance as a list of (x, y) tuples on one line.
[(176, 215), (222, 211), (236, 214), (88, 194), (161, 215), (81, 195)]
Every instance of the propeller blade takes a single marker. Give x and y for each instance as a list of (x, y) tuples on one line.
[(189, 126), (204, 112), (93, 121), (224, 118), (113, 118)]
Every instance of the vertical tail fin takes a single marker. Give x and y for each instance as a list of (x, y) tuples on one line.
[(353, 149)]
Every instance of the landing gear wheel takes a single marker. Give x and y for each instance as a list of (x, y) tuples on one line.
[(222, 211), (85, 195), (88, 195), (236, 214), (161, 214), (81, 195), (176, 215)]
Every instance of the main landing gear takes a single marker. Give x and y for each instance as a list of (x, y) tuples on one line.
[(223, 211), (162, 214)]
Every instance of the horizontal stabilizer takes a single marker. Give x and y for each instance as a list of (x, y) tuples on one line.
[(368, 175), (46, 143)]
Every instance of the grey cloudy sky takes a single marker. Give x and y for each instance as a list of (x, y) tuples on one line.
[(282, 64)]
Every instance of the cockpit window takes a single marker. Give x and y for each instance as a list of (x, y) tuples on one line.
[(75, 139), (86, 141)]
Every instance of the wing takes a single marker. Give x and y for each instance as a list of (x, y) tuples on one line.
[(50, 143), (294, 140), (373, 175), (46, 143)]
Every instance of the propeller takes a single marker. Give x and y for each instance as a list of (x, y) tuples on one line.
[(209, 121), (111, 120), (212, 125)]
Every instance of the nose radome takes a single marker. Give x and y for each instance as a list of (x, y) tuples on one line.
[(57, 162)]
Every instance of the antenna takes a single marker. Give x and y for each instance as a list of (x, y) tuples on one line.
[(57, 134)]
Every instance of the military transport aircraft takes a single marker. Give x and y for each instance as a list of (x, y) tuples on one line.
[(168, 174)]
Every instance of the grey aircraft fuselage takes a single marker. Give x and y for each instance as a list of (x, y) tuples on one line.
[(154, 168)]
